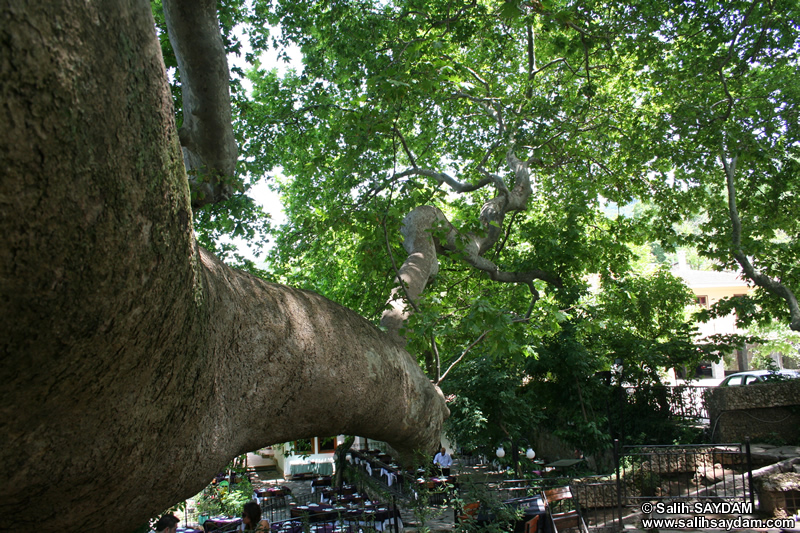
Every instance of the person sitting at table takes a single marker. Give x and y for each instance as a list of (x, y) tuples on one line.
[(167, 524), (443, 461), (251, 518)]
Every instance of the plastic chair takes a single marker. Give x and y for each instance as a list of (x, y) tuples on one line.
[(469, 511)]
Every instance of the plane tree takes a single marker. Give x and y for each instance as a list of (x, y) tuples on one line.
[(736, 126), (464, 129), (135, 364), (502, 144)]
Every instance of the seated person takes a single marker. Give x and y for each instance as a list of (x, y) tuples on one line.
[(167, 524), (251, 518)]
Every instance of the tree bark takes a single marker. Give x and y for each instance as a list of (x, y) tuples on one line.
[(209, 146), (134, 364)]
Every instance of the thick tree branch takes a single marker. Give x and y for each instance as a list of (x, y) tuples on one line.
[(290, 341), (209, 146), (417, 270), (765, 282), (128, 353), (444, 178), (427, 232)]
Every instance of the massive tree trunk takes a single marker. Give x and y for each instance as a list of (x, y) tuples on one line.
[(134, 364)]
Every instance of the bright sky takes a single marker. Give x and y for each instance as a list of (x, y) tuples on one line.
[(261, 192)]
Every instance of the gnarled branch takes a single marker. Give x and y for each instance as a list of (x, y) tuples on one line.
[(427, 232)]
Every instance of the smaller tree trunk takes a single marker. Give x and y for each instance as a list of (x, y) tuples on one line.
[(209, 145)]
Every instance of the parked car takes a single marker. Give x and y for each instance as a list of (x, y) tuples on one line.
[(704, 368), (758, 376)]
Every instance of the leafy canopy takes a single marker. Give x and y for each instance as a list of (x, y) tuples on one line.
[(671, 108)]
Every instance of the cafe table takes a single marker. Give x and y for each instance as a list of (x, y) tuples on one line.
[(224, 523), (379, 516), (438, 482), (391, 472), (345, 499), (437, 488), (297, 526), (564, 463), (370, 515), (322, 481), (317, 512), (323, 468), (329, 493), (271, 492), (531, 506)]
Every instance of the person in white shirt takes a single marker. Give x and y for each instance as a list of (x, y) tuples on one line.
[(443, 461)]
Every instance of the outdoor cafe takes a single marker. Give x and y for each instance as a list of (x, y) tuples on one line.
[(318, 505)]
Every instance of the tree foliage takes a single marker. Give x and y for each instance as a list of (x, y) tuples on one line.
[(686, 110)]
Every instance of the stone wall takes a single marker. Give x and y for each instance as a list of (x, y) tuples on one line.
[(761, 411), (779, 494)]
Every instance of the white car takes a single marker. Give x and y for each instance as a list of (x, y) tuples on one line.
[(758, 376)]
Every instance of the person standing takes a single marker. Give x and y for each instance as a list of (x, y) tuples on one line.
[(443, 461)]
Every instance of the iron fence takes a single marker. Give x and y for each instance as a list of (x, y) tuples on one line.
[(662, 413), (676, 401), (298, 525), (696, 472), (676, 473)]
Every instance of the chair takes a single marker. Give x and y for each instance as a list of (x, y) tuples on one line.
[(532, 525), (563, 510), (469, 511)]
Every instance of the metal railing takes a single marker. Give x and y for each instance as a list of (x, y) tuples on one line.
[(679, 401), (676, 473), (696, 472), (660, 412)]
